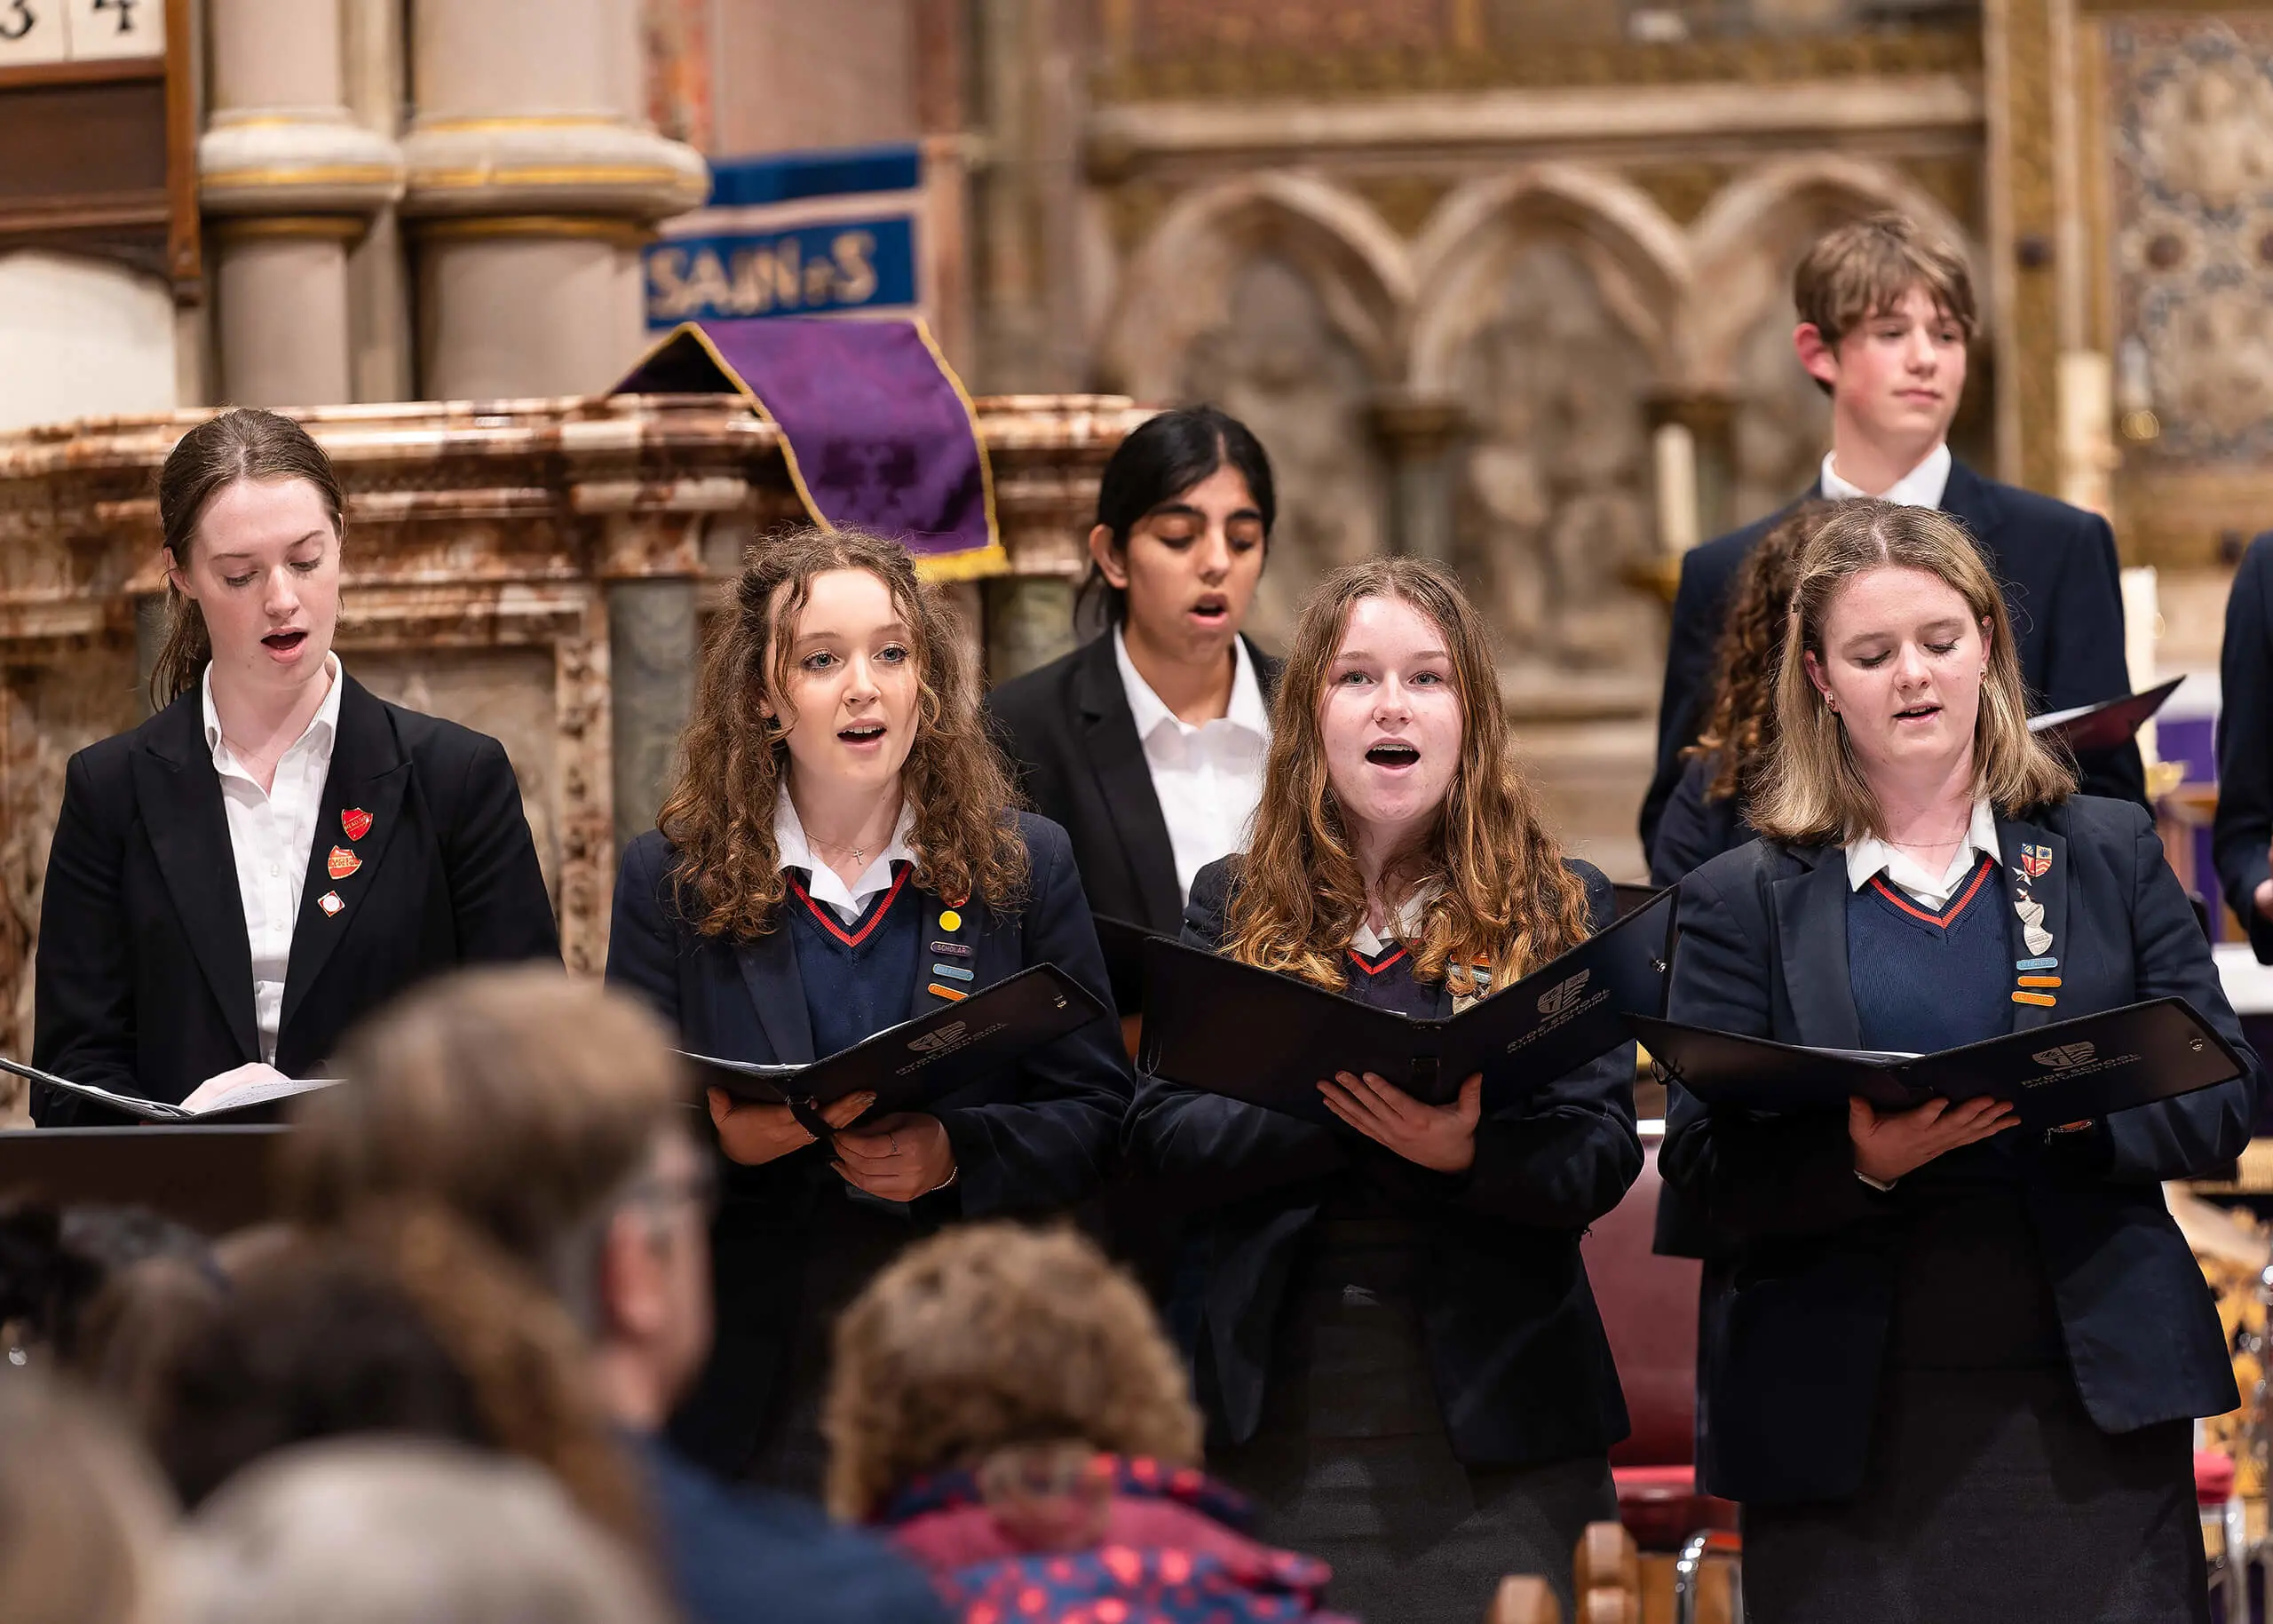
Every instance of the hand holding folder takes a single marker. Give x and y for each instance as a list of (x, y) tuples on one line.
[(2066, 1072), (1213, 1024), (916, 1064)]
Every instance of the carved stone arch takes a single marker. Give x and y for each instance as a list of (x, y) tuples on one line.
[(1543, 303), (1751, 234), (1179, 284), (1636, 254), (1278, 296)]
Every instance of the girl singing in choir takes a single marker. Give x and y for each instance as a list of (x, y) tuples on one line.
[(1953, 1376), (276, 851), (837, 854), (1390, 1322), (1148, 743)]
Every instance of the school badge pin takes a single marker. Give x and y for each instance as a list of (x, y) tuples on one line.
[(341, 863), (2036, 860), (356, 821), (329, 902)]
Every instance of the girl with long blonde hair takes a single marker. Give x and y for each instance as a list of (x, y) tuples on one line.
[(1952, 1374), (1389, 1323)]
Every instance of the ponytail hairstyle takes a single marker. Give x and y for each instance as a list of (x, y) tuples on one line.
[(1506, 902), (242, 443)]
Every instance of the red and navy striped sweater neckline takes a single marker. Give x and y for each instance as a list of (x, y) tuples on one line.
[(826, 916), (1379, 960), (1944, 921)]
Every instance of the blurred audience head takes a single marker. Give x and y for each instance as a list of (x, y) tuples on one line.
[(402, 1531), (405, 1320), (547, 1114), (82, 1516), (990, 1340)]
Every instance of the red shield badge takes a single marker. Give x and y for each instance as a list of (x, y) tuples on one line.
[(341, 863), (2035, 860), (356, 821)]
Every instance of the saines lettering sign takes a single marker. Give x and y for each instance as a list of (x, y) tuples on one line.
[(851, 265)]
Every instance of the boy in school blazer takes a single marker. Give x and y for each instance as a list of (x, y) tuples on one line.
[(145, 980), (1885, 314)]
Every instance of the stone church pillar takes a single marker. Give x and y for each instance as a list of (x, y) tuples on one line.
[(532, 179), (288, 180)]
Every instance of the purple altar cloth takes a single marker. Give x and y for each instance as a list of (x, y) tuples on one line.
[(877, 430)]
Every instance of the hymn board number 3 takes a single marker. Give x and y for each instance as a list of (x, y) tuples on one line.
[(36, 31)]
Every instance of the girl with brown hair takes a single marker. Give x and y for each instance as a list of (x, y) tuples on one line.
[(277, 850), (1952, 1375), (838, 853), (1391, 1327), (1721, 772)]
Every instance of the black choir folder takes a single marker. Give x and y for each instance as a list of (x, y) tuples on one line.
[(921, 1060), (2106, 725), (235, 1105), (1252, 1035), (1123, 944), (2064, 1072)]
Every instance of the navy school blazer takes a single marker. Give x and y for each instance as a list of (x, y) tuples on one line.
[(2243, 829), (143, 976), (1792, 1378), (1523, 1370), (1036, 1140), (2061, 584)]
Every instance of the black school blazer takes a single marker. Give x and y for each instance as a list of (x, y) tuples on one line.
[(2244, 827), (1522, 1367), (1070, 735), (2058, 567), (144, 980), (1038, 1139), (1792, 1378)]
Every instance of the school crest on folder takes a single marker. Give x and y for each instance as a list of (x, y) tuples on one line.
[(2035, 860)]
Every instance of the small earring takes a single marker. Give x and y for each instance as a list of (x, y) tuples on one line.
[(1831, 704)]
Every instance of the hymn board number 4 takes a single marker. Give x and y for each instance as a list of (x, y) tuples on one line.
[(38, 31)]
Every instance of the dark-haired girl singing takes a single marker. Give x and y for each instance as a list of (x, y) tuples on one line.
[(1147, 744)]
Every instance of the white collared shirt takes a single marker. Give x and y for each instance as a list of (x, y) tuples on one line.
[(270, 833), (1871, 856), (1922, 488), (822, 882), (1406, 927), (1208, 778)]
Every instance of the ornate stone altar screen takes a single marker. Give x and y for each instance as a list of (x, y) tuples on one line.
[(537, 569)]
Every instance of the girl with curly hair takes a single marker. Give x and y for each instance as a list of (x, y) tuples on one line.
[(1721, 772), (839, 853), (1389, 1321)]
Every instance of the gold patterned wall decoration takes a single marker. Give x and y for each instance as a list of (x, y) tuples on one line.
[(2190, 234)]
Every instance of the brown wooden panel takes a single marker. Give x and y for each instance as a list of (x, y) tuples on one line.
[(90, 142)]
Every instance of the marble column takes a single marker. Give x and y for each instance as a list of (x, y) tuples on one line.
[(652, 641), (533, 181), (288, 180), (1421, 433)]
